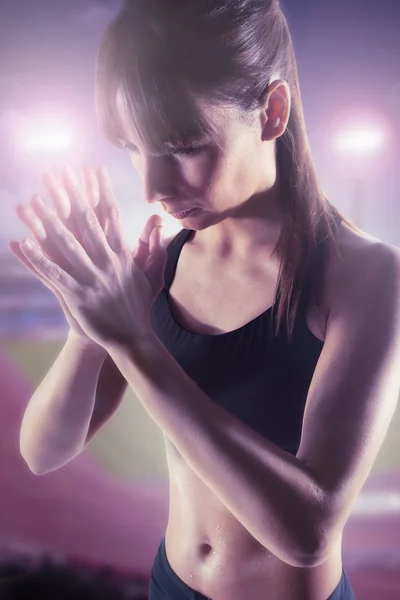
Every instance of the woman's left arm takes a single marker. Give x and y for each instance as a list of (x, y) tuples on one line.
[(294, 506)]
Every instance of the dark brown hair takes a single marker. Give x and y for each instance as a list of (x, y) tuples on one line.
[(164, 55)]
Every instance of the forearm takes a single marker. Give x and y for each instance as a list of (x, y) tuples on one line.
[(111, 388), (57, 418), (269, 491)]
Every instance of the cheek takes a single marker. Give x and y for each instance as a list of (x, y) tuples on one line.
[(201, 173)]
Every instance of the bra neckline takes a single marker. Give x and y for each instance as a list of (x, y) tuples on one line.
[(211, 335), (185, 234)]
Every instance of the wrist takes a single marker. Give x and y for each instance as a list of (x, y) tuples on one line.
[(84, 344), (141, 343)]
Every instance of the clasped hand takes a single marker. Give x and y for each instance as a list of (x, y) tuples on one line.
[(81, 253)]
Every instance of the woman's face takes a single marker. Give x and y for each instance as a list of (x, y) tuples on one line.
[(215, 178)]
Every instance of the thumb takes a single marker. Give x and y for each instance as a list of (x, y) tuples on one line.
[(157, 260)]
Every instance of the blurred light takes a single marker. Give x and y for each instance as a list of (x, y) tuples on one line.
[(44, 135), (171, 226), (377, 503), (360, 140)]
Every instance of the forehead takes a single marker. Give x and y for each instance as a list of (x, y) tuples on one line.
[(213, 119)]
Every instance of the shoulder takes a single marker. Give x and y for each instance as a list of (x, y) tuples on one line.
[(362, 256), (364, 270)]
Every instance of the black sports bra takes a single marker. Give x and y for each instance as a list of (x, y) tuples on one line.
[(262, 381)]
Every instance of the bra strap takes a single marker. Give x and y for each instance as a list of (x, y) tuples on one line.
[(173, 251)]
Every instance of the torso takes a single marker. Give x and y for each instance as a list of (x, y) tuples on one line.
[(206, 546)]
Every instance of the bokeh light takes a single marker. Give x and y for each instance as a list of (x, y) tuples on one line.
[(362, 139), (45, 135)]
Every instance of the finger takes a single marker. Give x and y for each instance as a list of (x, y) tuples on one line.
[(70, 247), (88, 230), (83, 210), (30, 216), (155, 240), (62, 204), (16, 250), (142, 250), (115, 232), (157, 261), (31, 221), (58, 195), (91, 186), (46, 268), (71, 186), (92, 192), (78, 203)]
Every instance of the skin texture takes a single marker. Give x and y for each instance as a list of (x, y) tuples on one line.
[(356, 389), (233, 182)]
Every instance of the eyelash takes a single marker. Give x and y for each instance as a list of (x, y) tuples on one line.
[(187, 151)]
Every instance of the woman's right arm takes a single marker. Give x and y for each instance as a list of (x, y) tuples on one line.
[(81, 391)]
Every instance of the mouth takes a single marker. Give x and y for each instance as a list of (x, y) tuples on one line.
[(182, 214)]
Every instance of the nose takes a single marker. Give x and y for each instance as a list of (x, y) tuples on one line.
[(159, 178)]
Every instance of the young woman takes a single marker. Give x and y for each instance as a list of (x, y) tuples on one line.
[(264, 342)]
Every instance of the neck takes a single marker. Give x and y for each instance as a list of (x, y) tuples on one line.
[(250, 230)]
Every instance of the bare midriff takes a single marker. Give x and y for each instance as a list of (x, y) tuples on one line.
[(207, 547), (215, 555)]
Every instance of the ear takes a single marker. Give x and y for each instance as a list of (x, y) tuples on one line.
[(276, 110)]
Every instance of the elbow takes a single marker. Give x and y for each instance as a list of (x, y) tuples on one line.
[(315, 554), (43, 463), (314, 533), (324, 550), (32, 467), (28, 456), (36, 467), (310, 552), (300, 553)]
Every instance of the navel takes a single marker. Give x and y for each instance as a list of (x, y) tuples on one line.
[(205, 549)]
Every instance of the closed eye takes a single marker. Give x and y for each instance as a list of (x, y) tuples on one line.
[(130, 147), (187, 150)]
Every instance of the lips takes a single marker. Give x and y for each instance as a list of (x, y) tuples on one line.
[(183, 215), (179, 211)]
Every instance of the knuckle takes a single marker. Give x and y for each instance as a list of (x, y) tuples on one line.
[(91, 217), (110, 272), (125, 252), (113, 212), (51, 218), (55, 272), (41, 261), (70, 240)]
